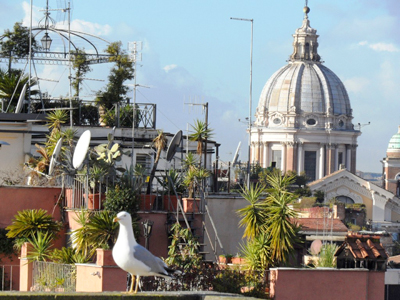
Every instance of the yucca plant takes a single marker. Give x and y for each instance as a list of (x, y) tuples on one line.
[(257, 252), (41, 245), (253, 216)]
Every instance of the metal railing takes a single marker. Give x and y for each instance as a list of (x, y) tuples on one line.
[(213, 278), (6, 277), (53, 277)]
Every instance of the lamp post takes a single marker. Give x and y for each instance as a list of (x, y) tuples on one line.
[(250, 95), (147, 228)]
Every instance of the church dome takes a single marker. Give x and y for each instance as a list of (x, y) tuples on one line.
[(394, 143), (304, 93)]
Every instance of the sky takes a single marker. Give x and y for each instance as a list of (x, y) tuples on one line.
[(194, 53)]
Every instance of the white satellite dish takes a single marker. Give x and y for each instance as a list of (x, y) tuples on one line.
[(81, 149), (172, 147), (21, 99), (236, 156), (54, 157)]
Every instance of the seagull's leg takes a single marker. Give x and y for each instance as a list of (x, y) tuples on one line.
[(137, 283), (133, 278)]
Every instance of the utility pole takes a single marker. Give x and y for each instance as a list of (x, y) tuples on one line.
[(250, 96)]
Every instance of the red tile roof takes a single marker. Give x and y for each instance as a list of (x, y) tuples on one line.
[(321, 224), (363, 246)]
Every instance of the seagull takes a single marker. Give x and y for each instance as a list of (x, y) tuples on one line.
[(134, 258)]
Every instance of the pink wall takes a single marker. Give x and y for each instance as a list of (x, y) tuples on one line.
[(299, 284), (14, 199)]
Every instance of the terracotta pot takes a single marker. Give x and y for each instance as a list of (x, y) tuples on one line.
[(95, 201), (191, 205), (104, 257), (238, 260), (170, 206), (146, 202), (70, 200)]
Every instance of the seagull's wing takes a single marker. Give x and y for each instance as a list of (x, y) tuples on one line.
[(155, 264)]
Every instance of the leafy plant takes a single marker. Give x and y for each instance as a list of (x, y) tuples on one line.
[(257, 253), (41, 244), (30, 223), (98, 231), (183, 250), (6, 244), (254, 215), (327, 256), (176, 182), (68, 256)]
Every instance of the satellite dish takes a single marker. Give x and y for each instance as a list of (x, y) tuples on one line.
[(54, 157), (3, 143), (21, 99), (236, 156), (172, 147), (315, 247), (81, 149)]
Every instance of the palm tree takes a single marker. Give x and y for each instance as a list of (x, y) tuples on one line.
[(280, 225), (254, 215), (11, 85), (159, 142), (200, 133)]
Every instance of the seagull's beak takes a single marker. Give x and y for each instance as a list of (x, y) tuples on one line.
[(115, 219)]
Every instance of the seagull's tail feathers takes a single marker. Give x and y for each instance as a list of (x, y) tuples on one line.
[(172, 272)]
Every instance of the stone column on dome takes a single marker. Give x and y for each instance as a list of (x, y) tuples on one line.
[(300, 158), (348, 157), (321, 161), (265, 156), (353, 158), (259, 153), (330, 158), (336, 158), (253, 153), (290, 156), (283, 163)]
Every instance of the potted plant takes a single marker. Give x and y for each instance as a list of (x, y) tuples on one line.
[(225, 258), (171, 183)]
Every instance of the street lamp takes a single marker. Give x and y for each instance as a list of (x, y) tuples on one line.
[(147, 228), (250, 96), (46, 42)]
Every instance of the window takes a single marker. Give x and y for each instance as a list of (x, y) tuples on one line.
[(345, 199), (311, 122), (340, 160), (277, 121), (310, 164), (145, 161), (277, 158)]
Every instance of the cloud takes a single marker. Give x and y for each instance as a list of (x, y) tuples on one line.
[(169, 68), (380, 47), (87, 27), (36, 14), (356, 84)]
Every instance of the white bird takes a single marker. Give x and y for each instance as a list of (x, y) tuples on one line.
[(134, 258)]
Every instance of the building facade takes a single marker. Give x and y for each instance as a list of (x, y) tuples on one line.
[(391, 165), (304, 118)]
